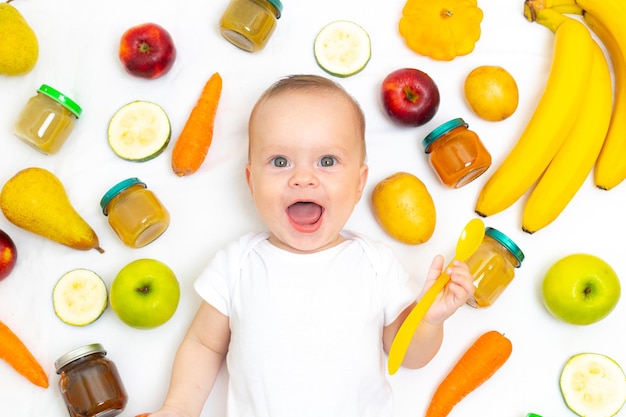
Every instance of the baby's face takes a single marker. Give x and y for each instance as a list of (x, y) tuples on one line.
[(306, 171)]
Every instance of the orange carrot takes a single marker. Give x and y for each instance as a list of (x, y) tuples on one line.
[(16, 354), (195, 139), (486, 355)]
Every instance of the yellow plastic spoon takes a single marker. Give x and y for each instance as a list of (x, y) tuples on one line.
[(469, 240)]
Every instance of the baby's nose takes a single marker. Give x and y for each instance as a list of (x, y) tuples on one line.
[(303, 177)]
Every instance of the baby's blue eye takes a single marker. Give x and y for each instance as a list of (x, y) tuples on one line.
[(280, 162), (327, 161)]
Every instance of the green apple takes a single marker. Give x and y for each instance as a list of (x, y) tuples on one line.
[(580, 289), (145, 293)]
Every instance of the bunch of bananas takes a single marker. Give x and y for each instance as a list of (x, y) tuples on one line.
[(579, 122)]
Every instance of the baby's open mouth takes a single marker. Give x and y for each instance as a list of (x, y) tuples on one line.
[(304, 213)]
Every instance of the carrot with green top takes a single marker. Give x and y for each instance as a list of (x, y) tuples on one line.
[(194, 141), (16, 354), (483, 358)]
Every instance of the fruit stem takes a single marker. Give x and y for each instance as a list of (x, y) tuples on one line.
[(534, 8), (99, 249), (144, 48), (143, 290), (445, 13), (410, 95), (535, 11)]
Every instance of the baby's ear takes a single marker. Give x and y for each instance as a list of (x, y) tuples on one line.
[(248, 173), (363, 180)]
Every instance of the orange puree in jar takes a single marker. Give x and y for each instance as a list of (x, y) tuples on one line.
[(493, 267), (456, 153), (135, 213)]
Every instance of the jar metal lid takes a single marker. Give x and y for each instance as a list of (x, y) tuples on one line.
[(440, 131), (507, 243), (116, 189), (278, 6), (61, 98), (77, 354)]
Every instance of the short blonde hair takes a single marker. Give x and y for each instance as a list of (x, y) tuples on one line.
[(305, 82)]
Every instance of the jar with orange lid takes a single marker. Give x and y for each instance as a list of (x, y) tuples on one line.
[(135, 213), (493, 267), (90, 383), (456, 153), (248, 24)]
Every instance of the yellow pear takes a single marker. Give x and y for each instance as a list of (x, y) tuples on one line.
[(35, 200), (19, 48)]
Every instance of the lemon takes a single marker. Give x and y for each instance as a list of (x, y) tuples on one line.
[(139, 131), (79, 297), (491, 92), (404, 208), (593, 385), (342, 48)]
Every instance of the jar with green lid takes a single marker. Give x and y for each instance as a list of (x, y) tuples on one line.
[(456, 153), (134, 213), (493, 267), (47, 120), (90, 383), (248, 24)]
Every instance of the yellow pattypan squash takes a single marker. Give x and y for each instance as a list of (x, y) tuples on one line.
[(441, 29)]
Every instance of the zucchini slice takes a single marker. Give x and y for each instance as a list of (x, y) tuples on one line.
[(342, 48), (79, 297), (139, 131)]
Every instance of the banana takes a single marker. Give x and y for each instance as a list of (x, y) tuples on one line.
[(577, 155), (531, 7), (606, 19), (610, 168), (551, 120)]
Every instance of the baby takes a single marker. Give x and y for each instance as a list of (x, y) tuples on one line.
[(304, 312)]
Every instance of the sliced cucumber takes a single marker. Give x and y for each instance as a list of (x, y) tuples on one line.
[(139, 131), (342, 48), (593, 385), (79, 297)]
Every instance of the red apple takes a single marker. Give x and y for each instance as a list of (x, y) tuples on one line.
[(147, 51), (410, 96), (8, 255)]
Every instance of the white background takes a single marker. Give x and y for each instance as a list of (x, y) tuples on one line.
[(78, 56)]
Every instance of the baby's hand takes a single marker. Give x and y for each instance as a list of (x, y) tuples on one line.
[(455, 294), (164, 412)]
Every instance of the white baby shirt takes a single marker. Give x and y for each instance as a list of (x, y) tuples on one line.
[(306, 329)]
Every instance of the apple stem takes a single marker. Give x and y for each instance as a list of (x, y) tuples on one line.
[(410, 95), (143, 290), (144, 48)]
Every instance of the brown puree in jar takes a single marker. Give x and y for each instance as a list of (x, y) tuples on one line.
[(90, 383)]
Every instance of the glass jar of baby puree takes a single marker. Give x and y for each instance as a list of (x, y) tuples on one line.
[(90, 383), (248, 24), (456, 153), (493, 266), (134, 212), (47, 119)]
